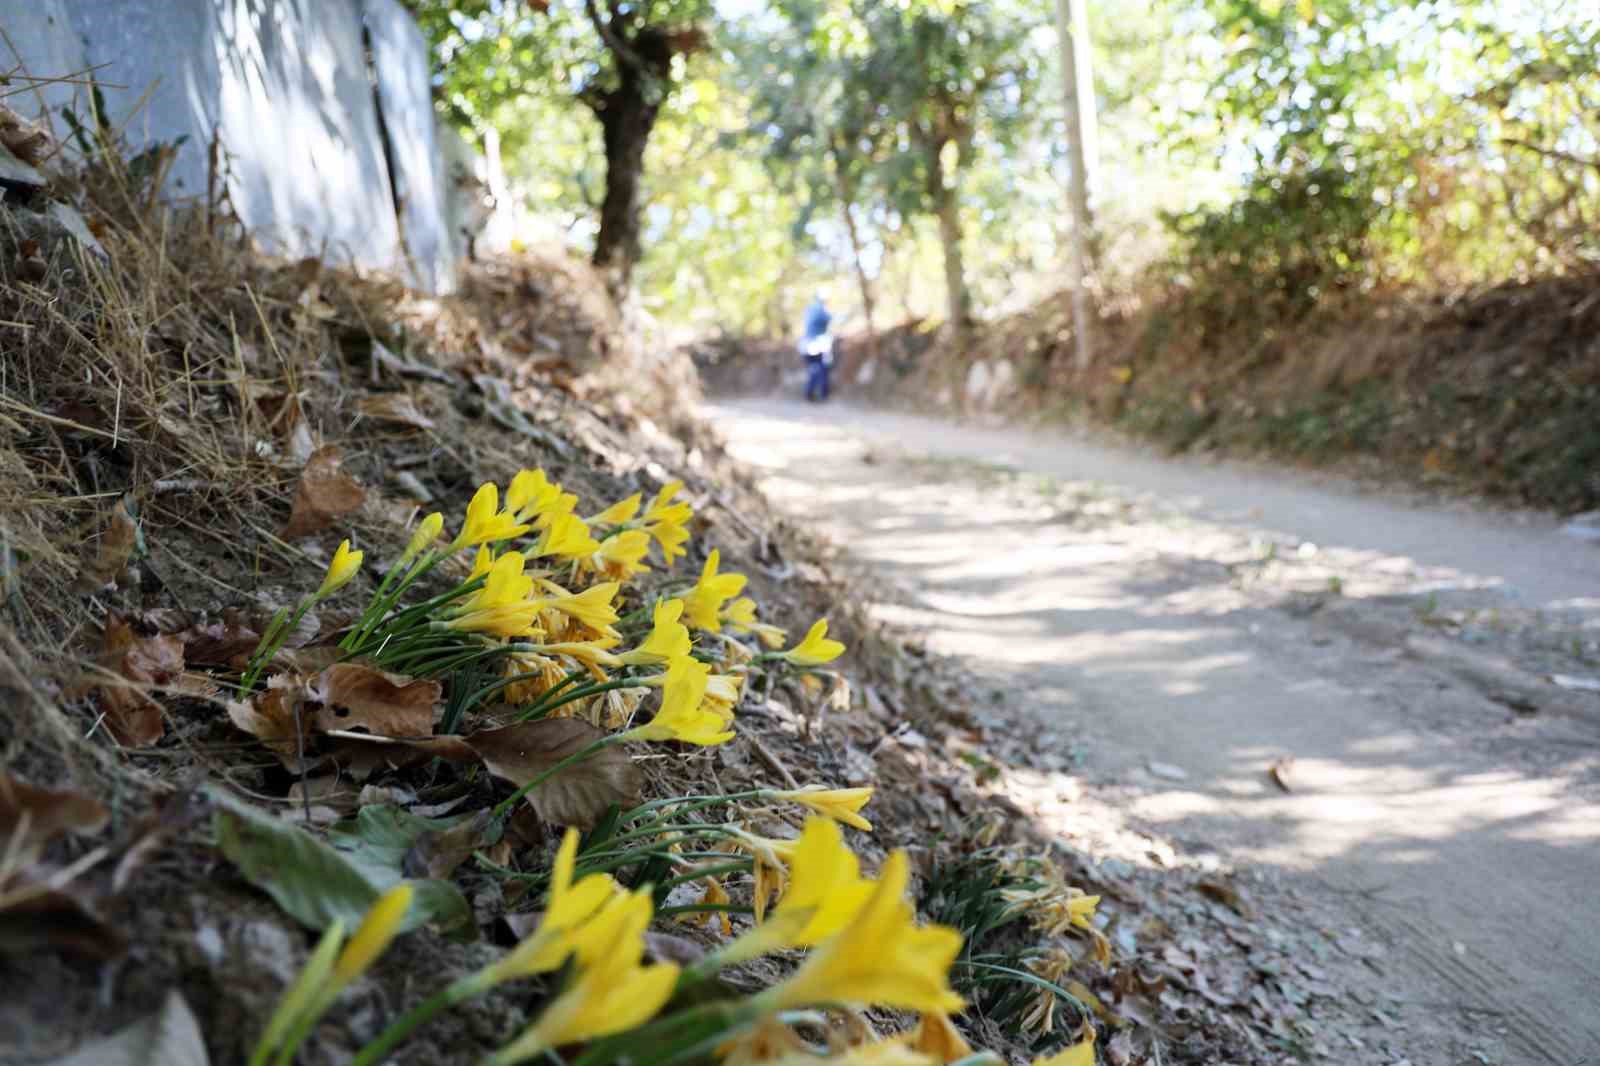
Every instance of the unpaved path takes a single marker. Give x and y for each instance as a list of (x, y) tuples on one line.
[(1182, 627)]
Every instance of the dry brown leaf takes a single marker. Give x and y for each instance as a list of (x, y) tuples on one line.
[(388, 705), (50, 812), (578, 795), (1224, 893), (109, 553), (29, 142), (438, 852), (228, 643), (395, 407), (323, 495), (135, 719), (277, 717)]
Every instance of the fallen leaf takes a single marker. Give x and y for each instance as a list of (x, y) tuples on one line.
[(576, 796), (278, 718), (313, 882), (170, 1037), (31, 817), (395, 407), (390, 705), (112, 549), (228, 643), (133, 718), (323, 495), (437, 852), (1279, 772), (1224, 893)]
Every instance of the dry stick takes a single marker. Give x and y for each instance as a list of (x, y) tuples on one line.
[(772, 761)]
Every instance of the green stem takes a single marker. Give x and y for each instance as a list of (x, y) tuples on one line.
[(582, 692), (708, 871)]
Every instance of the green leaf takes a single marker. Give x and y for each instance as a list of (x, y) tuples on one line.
[(315, 883)]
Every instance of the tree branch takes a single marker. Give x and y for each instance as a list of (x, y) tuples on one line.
[(1551, 153), (614, 40)]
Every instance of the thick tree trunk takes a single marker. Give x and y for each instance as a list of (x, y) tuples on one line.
[(948, 206), (847, 202), (1072, 26), (627, 115)]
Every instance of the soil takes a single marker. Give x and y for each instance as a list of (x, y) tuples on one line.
[(1369, 707)]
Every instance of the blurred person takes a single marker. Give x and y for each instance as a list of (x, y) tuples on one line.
[(816, 345)]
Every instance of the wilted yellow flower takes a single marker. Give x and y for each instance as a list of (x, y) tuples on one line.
[(613, 709), (668, 639), (422, 537), (567, 907), (486, 523), (1079, 1054), (768, 867), (682, 715), (882, 958), (740, 617), (592, 654), (703, 603), (768, 1042), (714, 895), (565, 536), (612, 992), (541, 673), (937, 1037), (376, 932), (343, 567), (840, 804), (816, 648), (618, 513)]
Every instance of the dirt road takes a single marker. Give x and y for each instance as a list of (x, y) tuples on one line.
[(1181, 629)]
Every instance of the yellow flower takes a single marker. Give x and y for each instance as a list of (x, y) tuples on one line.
[(937, 1037), (343, 567), (840, 804), (768, 868), (540, 674), (740, 616), (561, 507), (377, 930), (1079, 1054), (768, 1042), (485, 522), (592, 606), (568, 906), (890, 1052), (618, 513), (882, 958), (621, 555), (612, 992), (714, 895), (592, 654), (666, 522), (703, 603), (565, 536), (668, 639), (530, 494), (824, 880), (816, 648), (501, 606), (682, 716), (426, 533)]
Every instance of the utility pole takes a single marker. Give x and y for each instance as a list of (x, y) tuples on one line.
[(1072, 26)]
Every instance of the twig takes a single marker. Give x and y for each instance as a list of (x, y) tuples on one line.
[(773, 763)]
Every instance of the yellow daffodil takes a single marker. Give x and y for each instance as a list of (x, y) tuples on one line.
[(937, 1037), (530, 494), (485, 522), (376, 932), (740, 617), (703, 603), (841, 804), (722, 692), (621, 555), (592, 607), (682, 715), (1079, 1054), (343, 567), (501, 606), (713, 896), (769, 869), (618, 513), (890, 1052), (560, 507), (590, 654), (881, 958), (482, 563), (422, 538), (611, 991), (566, 537), (667, 522), (668, 639), (816, 648), (767, 1042), (567, 907)]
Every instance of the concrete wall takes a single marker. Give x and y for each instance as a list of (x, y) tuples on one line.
[(284, 85)]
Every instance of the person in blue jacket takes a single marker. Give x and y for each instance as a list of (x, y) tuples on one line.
[(817, 347)]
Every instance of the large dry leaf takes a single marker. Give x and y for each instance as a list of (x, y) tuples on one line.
[(437, 852), (323, 495), (395, 407), (389, 705), (278, 717), (107, 555), (47, 813), (578, 795), (132, 716), (227, 643), (170, 1037)]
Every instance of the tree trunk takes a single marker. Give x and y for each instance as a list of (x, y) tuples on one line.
[(948, 207), (847, 202), (627, 114), (1072, 26)]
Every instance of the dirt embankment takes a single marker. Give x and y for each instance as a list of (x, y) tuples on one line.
[(1493, 392)]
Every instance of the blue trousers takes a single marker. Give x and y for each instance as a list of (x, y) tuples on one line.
[(816, 378)]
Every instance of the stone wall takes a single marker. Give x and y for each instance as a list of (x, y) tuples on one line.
[(322, 108)]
